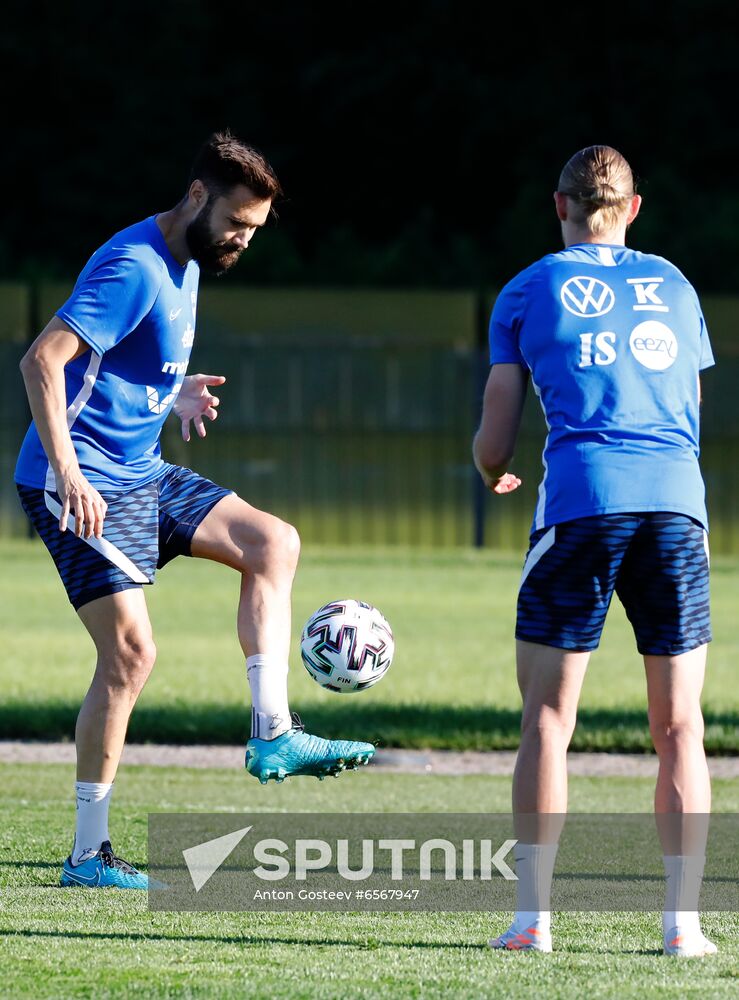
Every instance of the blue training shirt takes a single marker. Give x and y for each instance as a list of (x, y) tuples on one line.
[(614, 340), (135, 305)]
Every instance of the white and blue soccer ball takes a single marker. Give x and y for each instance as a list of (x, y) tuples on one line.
[(347, 646)]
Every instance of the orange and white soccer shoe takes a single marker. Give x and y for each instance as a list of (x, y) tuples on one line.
[(522, 939), (688, 945)]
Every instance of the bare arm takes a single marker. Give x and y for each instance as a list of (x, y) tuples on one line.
[(43, 373), (493, 445)]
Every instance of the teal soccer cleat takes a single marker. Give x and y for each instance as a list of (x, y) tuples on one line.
[(297, 752), (103, 871)]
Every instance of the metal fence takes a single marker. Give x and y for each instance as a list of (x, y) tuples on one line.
[(351, 414)]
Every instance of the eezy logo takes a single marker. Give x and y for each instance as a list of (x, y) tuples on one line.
[(583, 296), (654, 345)]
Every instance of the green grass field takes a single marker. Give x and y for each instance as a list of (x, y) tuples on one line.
[(60, 943), (452, 683)]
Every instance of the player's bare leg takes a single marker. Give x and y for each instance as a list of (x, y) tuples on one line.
[(265, 551), (682, 798), (119, 626), (550, 681), (674, 685)]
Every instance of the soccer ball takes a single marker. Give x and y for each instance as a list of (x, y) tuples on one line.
[(347, 646)]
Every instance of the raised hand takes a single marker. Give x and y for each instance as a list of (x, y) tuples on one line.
[(196, 401)]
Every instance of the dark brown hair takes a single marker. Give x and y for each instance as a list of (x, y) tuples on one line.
[(601, 184), (223, 161)]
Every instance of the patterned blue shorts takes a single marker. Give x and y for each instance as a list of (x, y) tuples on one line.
[(656, 562), (144, 529)]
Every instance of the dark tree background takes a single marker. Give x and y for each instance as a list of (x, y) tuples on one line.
[(418, 143)]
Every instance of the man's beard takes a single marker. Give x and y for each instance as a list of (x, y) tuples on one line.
[(213, 258)]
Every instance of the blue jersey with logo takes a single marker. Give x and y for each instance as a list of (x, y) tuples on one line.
[(614, 340), (134, 304)]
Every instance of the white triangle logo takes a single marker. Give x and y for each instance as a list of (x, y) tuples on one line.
[(157, 405), (205, 859)]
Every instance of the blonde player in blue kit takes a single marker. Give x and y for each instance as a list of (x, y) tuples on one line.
[(101, 379), (613, 341)]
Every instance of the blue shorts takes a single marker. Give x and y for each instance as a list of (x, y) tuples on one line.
[(656, 562), (143, 530)]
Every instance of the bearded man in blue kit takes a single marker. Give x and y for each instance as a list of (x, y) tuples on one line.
[(101, 379)]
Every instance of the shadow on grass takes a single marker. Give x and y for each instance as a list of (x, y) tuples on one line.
[(371, 945), (31, 864), (245, 939), (409, 726)]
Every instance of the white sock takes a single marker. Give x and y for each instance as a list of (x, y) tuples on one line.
[(535, 870), (684, 875), (270, 713), (93, 801)]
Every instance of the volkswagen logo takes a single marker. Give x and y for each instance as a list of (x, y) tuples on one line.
[(587, 296)]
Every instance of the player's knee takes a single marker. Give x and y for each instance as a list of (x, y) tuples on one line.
[(133, 660), (290, 543), (279, 549), (669, 732), (546, 723)]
